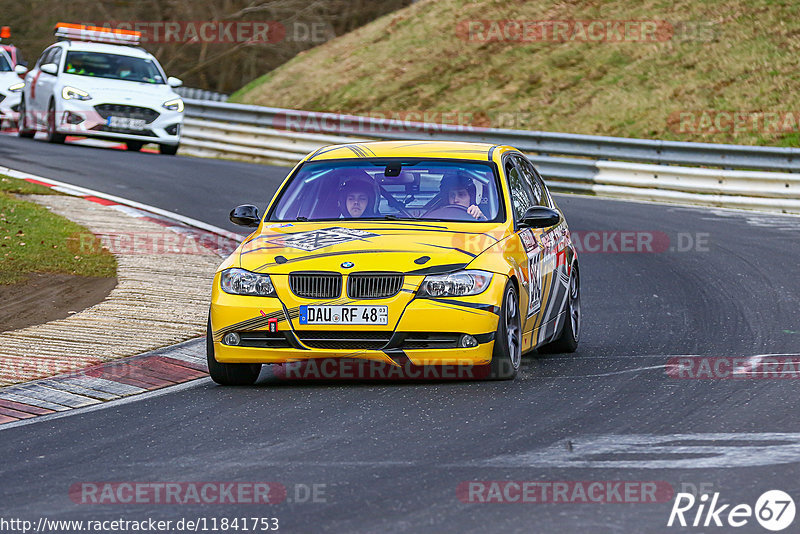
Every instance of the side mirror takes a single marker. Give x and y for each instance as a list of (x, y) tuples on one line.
[(49, 68), (245, 215), (21, 70), (540, 217), (172, 81)]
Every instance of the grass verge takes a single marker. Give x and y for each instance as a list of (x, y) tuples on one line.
[(34, 240), (722, 72)]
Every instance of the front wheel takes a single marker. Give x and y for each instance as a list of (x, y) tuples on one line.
[(24, 130), (168, 150), (507, 354), (229, 374), (52, 135), (133, 146)]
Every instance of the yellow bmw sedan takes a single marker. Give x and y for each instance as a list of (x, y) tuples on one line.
[(406, 253)]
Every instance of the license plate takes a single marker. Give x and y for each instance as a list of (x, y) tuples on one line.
[(344, 315), (126, 123)]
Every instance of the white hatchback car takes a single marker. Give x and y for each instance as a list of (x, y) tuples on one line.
[(10, 91), (97, 82)]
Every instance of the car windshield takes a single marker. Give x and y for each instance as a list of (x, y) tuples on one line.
[(114, 66), (5, 65), (423, 189)]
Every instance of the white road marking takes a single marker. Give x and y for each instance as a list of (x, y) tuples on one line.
[(80, 191)]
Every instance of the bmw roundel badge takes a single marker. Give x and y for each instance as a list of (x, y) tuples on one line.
[(347, 264)]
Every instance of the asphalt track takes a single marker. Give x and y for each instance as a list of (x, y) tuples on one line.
[(391, 455)]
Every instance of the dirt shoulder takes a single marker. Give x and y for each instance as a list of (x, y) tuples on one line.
[(46, 297)]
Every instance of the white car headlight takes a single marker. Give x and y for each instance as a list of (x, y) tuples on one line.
[(16, 88), (174, 105), (241, 282), (73, 93), (458, 284)]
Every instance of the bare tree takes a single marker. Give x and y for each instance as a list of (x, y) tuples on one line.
[(217, 66)]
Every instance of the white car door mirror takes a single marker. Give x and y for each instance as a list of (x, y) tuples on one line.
[(172, 81), (21, 70), (50, 68)]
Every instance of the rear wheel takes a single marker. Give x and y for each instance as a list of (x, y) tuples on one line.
[(133, 146), (571, 331), (229, 374), (507, 354), (24, 129), (169, 150), (52, 135)]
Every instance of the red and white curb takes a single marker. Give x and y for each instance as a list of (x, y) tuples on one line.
[(93, 385), (126, 377), (219, 240)]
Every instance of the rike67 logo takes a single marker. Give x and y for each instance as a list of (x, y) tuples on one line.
[(774, 510)]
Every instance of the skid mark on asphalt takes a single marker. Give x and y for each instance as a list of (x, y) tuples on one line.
[(609, 451), (671, 451), (614, 373)]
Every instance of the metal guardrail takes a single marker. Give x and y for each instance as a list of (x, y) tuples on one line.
[(546, 143), (644, 169)]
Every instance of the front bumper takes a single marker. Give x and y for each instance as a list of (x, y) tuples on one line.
[(9, 107), (421, 332), (80, 118)]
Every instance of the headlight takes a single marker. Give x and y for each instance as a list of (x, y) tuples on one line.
[(17, 87), (70, 93), (241, 282), (174, 105), (459, 284)]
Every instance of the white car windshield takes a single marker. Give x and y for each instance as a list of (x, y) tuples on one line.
[(113, 66), (448, 190), (5, 65)]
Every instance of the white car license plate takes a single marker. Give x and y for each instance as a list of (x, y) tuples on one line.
[(344, 315), (126, 123)]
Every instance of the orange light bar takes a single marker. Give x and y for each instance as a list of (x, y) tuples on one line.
[(5, 32), (99, 34)]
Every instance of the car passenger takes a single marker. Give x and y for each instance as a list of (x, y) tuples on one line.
[(358, 196)]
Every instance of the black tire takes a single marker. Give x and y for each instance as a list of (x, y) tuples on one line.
[(24, 131), (507, 354), (133, 146), (168, 150), (52, 135), (229, 374), (568, 339)]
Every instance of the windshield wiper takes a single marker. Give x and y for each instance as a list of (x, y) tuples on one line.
[(302, 219), (396, 218)]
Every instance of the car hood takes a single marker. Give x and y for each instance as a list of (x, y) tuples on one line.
[(409, 247), (8, 78), (121, 91)]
